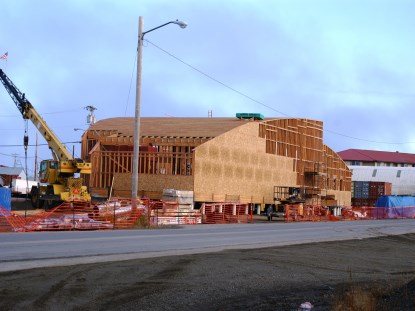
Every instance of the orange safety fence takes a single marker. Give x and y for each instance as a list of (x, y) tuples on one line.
[(300, 212), (224, 213), (9, 221), (77, 215), (112, 214), (173, 213), (370, 212), (122, 214)]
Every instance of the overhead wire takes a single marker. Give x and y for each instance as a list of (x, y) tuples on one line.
[(131, 82), (45, 144), (12, 156), (43, 113), (263, 104)]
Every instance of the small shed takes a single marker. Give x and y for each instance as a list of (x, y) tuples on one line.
[(7, 174)]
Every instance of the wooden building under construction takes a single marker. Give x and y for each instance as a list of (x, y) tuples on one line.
[(219, 159)]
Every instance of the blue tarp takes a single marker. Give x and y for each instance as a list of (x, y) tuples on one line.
[(6, 198), (395, 201), (397, 206)]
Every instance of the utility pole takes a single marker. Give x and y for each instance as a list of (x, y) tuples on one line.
[(136, 157), (134, 181), (16, 161)]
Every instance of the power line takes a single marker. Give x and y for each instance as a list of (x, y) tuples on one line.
[(53, 112), (12, 155), (267, 106), (131, 82), (20, 145)]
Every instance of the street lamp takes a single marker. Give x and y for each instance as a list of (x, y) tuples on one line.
[(134, 182)]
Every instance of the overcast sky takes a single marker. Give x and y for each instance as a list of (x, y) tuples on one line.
[(347, 63)]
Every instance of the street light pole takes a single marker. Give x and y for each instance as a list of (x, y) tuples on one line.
[(136, 156), (134, 182)]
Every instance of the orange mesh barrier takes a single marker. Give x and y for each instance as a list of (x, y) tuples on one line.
[(370, 212), (224, 213), (170, 213), (9, 221), (300, 212), (80, 215), (122, 214)]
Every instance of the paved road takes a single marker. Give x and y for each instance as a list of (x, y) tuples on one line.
[(41, 249)]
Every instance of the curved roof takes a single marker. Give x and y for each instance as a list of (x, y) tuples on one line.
[(170, 126)]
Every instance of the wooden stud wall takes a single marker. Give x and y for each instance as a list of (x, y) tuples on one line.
[(319, 169), (105, 164)]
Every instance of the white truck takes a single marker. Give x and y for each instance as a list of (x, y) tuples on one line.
[(22, 187)]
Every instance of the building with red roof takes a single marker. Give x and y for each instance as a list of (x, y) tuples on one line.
[(377, 158), (396, 168)]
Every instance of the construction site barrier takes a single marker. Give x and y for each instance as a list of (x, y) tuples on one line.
[(170, 213), (112, 214), (300, 212), (76, 215), (370, 212), (10, 222), (122, 214), (225, 213)]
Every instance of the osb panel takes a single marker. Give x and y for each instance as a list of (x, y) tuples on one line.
[(235, 164), (160, 182), (344, 198), (150, 185)]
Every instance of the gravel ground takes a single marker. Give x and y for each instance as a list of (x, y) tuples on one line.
[(369, 274)]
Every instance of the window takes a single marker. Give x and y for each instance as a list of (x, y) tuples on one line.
[(398, 173), (374, 172)]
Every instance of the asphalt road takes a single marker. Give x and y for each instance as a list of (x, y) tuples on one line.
[(44, 249)]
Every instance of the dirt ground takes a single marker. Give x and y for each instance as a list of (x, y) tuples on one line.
[(369, 274)]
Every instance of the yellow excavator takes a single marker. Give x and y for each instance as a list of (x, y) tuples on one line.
[(57, 181)]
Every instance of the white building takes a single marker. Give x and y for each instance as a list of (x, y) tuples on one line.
[(394, 167)]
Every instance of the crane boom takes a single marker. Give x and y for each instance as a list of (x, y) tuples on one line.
[(58, 175), (29, 112)]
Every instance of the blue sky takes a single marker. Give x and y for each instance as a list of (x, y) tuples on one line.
[(346, 63)]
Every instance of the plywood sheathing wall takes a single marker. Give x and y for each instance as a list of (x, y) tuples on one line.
[(150, 186), (235, 167)]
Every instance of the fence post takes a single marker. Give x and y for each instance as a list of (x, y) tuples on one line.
[(73, 216), (149, 212), (113, 219), (252, 216)]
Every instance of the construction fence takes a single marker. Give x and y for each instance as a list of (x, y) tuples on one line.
[(112, 214), (225, 213), (122, 214), (300, 212)]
